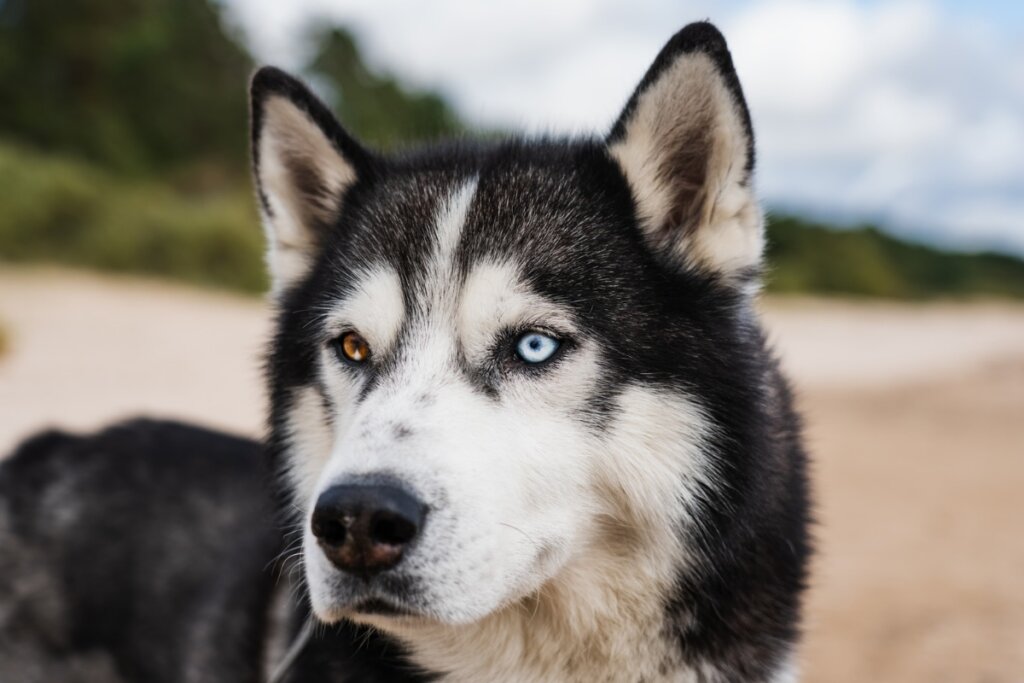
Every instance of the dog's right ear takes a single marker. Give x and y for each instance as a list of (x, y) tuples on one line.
[(686, 147), (304, 163)]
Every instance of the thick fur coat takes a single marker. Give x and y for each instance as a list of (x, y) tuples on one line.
[(549, 351)]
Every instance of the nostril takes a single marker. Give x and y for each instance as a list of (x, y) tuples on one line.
[(331, 531), (392, 529)]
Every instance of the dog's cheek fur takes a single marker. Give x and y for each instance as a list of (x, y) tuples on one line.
[(654, 465), (622, 559), (310, 436), (319, 412)]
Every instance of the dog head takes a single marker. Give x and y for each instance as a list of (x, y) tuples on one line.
[(495, 363)]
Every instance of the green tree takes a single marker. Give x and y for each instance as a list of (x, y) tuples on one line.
[(376, 107), (809, 257), (136, 85)]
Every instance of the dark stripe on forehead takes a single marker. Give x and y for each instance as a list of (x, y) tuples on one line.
[(548, 205)]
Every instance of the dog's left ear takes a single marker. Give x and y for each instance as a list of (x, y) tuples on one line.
[(686, 146)]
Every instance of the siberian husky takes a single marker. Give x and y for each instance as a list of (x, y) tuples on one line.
[(524, 422)]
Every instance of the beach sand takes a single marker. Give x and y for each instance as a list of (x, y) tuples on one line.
[(914, 415)]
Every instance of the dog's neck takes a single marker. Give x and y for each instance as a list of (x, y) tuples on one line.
[(601, 619)]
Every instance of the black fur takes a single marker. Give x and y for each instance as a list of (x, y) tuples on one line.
[(147, 553)]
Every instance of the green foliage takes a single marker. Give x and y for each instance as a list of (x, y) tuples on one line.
[(376, 107), (70, 212), (147, 86), (130, 122), (134, 85), (67, 211), (123, 134), (806, 257)]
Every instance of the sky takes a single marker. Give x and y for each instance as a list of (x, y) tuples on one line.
[(906, 113)]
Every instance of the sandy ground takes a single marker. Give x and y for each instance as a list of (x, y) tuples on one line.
[(915, 417)]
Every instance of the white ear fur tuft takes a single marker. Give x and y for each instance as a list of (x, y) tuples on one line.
[(685, 145)]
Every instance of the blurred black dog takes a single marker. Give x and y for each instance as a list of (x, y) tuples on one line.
[(149, 552), (524, 426)]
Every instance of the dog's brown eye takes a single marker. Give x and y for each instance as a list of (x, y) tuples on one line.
[(353, 348)]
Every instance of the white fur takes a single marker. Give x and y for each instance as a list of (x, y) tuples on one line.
[(789, 671), (598, 617), (375, 309), (447, 233), (493, 299), (310, 440)]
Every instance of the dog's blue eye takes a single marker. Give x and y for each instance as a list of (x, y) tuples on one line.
[(534, 347)]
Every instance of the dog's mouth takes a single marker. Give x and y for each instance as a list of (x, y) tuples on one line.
[(379, 601), (380, 607)]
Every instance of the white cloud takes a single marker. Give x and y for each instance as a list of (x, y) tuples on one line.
[(896, 110), (914, 116), (533, 64)]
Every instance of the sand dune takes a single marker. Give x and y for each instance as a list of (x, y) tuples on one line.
[(915, 417)]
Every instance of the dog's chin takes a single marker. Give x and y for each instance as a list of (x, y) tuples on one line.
[(374, 612), (371, 607), (381, 613), (384, 611), (390, 612)]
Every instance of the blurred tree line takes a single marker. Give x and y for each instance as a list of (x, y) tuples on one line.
[(123, 146), (132, 85), (376, 107), (124, 142), (145, 86), (808, 257)]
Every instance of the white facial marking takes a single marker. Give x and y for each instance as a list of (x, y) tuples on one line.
[(309, 435), (375, 309), (493, 299), (657, 441), (599, 611), (448, 233)]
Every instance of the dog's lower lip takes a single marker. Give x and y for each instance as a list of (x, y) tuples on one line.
[(380, 607)]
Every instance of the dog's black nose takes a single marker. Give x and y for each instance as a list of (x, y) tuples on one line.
[(363, 529)]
